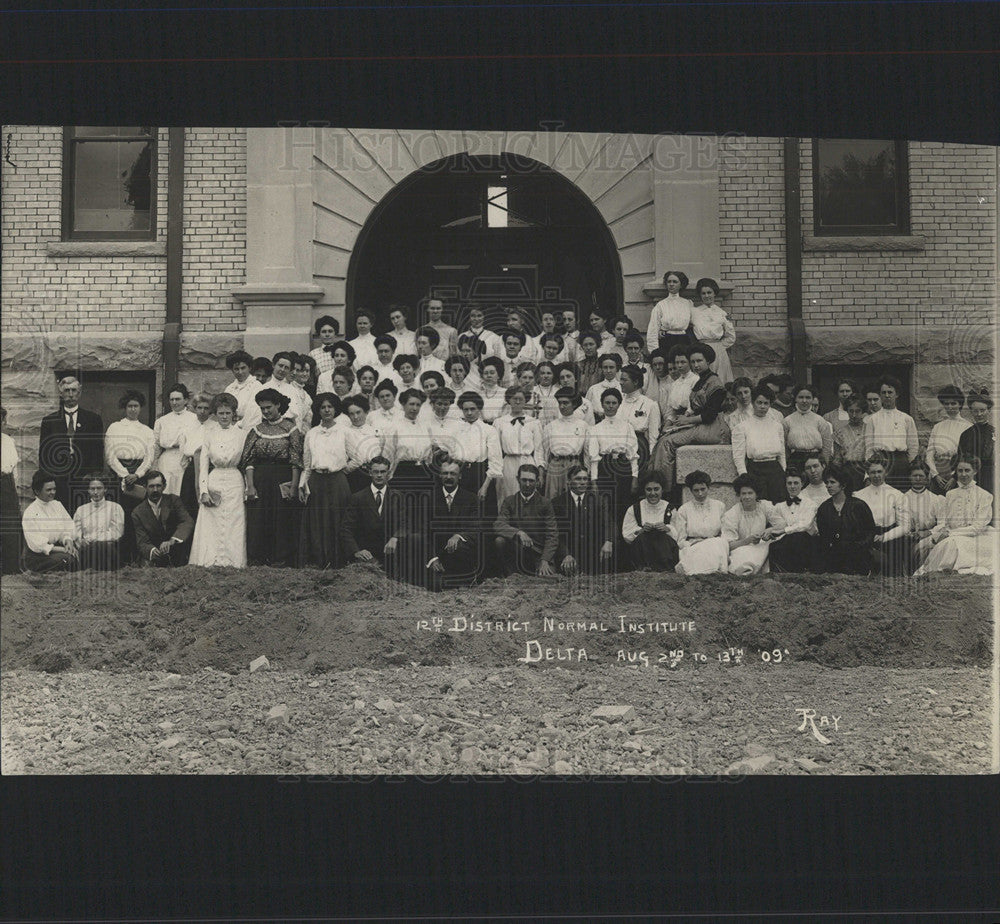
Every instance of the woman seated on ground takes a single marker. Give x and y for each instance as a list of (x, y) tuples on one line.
[(793, 550), (963, 539), (99, 527), (846, 527), (698, 528), (220, 532), (748, 526), (49, 532), (647, 528)]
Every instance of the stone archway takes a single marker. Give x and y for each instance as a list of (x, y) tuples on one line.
[(491, 230)]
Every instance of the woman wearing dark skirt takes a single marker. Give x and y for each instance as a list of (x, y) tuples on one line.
[(272, 458), (202, 407), (10, 505), (646, 528), (128, 450), (323, 488), (846, 528)]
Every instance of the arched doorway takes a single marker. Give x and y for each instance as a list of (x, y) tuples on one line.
[(493, 231)]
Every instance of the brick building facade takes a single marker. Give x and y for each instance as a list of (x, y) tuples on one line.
[(274, 219)]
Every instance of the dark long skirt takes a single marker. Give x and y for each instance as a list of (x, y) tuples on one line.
[(129, 549), (324, 510), (100, 556), (656, 551), (842, 558), (189, 491), (771, 478), (792, 554), (893, 558), (10, 525), (272, 523), (614, 481), (897, 470), (644, 451), (54, 561), (473, 476), (670, 340)]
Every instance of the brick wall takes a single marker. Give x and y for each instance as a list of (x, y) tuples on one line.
[(215, 218), (43, 291), (953, 205), (752, 230)]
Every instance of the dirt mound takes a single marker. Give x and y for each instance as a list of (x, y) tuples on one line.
[(187, 619)]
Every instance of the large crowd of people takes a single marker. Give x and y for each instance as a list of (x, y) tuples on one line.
[(446, 455)]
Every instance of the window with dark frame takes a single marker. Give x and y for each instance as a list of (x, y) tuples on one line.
[(860, 187), (109, 183)]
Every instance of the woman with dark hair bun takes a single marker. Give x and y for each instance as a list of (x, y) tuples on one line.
[(171, 431), (323, 487), (846, 527), (698, 528), (711, 325), (563, 441), (129, 450), (220, 532), (980, 439), (343, 356), (327, 328), (646, 528), (670, 319), (947, 432), (271, 464), (748, 526)]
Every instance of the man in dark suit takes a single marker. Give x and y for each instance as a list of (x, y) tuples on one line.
[(162, 525), (362, 528), (71, 445), (526, 532), (586, 534), (453, 542)]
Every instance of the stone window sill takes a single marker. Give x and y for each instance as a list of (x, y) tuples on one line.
[(107, 249), (654, 291), (854, 243)]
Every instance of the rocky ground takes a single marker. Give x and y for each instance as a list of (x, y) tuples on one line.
[(149, 672)]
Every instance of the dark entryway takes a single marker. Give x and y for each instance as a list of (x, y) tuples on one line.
[(826, 377), (494, 231)]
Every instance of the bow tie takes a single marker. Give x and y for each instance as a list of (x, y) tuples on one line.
[(794, 500), (328, 348), (519, 420)]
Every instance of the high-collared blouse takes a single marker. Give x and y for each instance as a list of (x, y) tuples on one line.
[(612, 435), (129, 439), (99, 522), (247, 409), (325, 450), (272, 444)]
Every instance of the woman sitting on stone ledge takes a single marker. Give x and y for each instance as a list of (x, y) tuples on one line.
[(704, 426)]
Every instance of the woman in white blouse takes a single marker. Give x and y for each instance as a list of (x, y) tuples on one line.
[(544, 393), (566, 375), (711, 325), (946, 432), (563, 441), (611, 364), (364, 343), (323, 487), (520, 442), (671, 316), (698, 526), (99, 527), (748, 526), (363, 443), (458, 378), (170, 431), (613, 454), (494, 397), (647, 530), (220, 532), (963, 539), (201, 404), (10, 506), (328, 331), (128, 450)]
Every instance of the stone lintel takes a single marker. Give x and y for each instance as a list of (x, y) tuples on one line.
[(279, 294), (858, 242), (106, 249)]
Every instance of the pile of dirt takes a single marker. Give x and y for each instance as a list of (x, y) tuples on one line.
[(187, 619)]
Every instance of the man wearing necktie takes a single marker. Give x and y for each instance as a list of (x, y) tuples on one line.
[(71, 445), (453, 544), (527, 534), (162, 525), (586, 533), (362, 528)]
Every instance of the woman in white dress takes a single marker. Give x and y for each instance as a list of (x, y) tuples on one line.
[(171, 432), (220, 532), (711, 325), (963, 539), (748, 526), (947, 431), (698, 526)]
